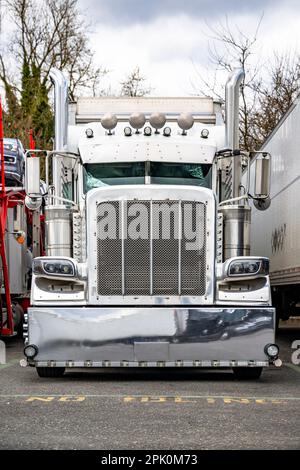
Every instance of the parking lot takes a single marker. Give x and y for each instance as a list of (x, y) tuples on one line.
[(160, 409)]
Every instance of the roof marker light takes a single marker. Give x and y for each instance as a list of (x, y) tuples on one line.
[(147, 131), (167, 131), (127, 131), (204, 133), (89, 133)]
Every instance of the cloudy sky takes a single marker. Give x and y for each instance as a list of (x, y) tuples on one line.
[(168, 38)]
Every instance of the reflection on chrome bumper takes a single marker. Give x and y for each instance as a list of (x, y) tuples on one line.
[(125, 337)]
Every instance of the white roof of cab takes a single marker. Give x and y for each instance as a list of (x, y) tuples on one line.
[(117, 147)]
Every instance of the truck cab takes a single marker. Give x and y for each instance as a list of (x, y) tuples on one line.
[(148, 255)]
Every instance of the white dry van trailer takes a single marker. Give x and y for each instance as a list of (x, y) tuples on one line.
[(147, 239), (276, 232)]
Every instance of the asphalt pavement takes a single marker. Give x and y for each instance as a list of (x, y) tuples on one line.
[(151, 409)]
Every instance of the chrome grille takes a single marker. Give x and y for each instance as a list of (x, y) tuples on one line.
[(153, 259)]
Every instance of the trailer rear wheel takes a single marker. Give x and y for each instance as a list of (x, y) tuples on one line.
[(247, 373), (50, 371)]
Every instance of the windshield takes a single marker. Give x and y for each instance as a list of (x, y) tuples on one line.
[(96, 175)]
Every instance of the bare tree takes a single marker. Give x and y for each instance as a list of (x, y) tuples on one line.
[(229, 48), (275, 95), (52, 33), (267, 90), (134, 84), (46, 33)]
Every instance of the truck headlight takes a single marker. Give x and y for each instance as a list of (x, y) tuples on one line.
[(63, 267), (54, 267), (242, 267), (248, 267)]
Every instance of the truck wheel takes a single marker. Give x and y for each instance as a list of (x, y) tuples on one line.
[(50, 371), (18, 313), (247, 373), (18, 316)]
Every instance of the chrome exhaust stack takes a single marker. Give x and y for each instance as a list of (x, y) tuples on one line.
[(60, 123), (232, 90), (58, 216), (236, 216)]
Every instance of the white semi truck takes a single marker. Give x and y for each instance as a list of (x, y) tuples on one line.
[(276, 232), (147, 239)]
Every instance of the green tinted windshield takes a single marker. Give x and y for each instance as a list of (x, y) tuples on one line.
[(196, 174), (96, 175)]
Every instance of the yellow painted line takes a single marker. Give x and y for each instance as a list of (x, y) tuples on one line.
[(160, 400), (122, 396), (209, 400), (42, 399), (293, 367), (60, 399), (243, 401)]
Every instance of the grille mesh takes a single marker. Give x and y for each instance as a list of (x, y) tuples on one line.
[(136, 251), (193, 262), (165, 249), (109, 255), (151, 248)]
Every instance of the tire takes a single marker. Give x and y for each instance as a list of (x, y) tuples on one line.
[(19, 313), (247, 373), (50, 371), (18, 316)]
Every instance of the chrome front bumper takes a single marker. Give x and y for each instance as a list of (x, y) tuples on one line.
[(120, 337)]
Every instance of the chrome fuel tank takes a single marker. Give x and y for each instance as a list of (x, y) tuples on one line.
[(58, 231), (236, 230)]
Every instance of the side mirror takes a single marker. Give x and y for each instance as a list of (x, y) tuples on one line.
[(262, 177), (33, 199), (32, 185)]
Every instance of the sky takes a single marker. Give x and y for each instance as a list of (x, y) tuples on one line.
[(168, 39)]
